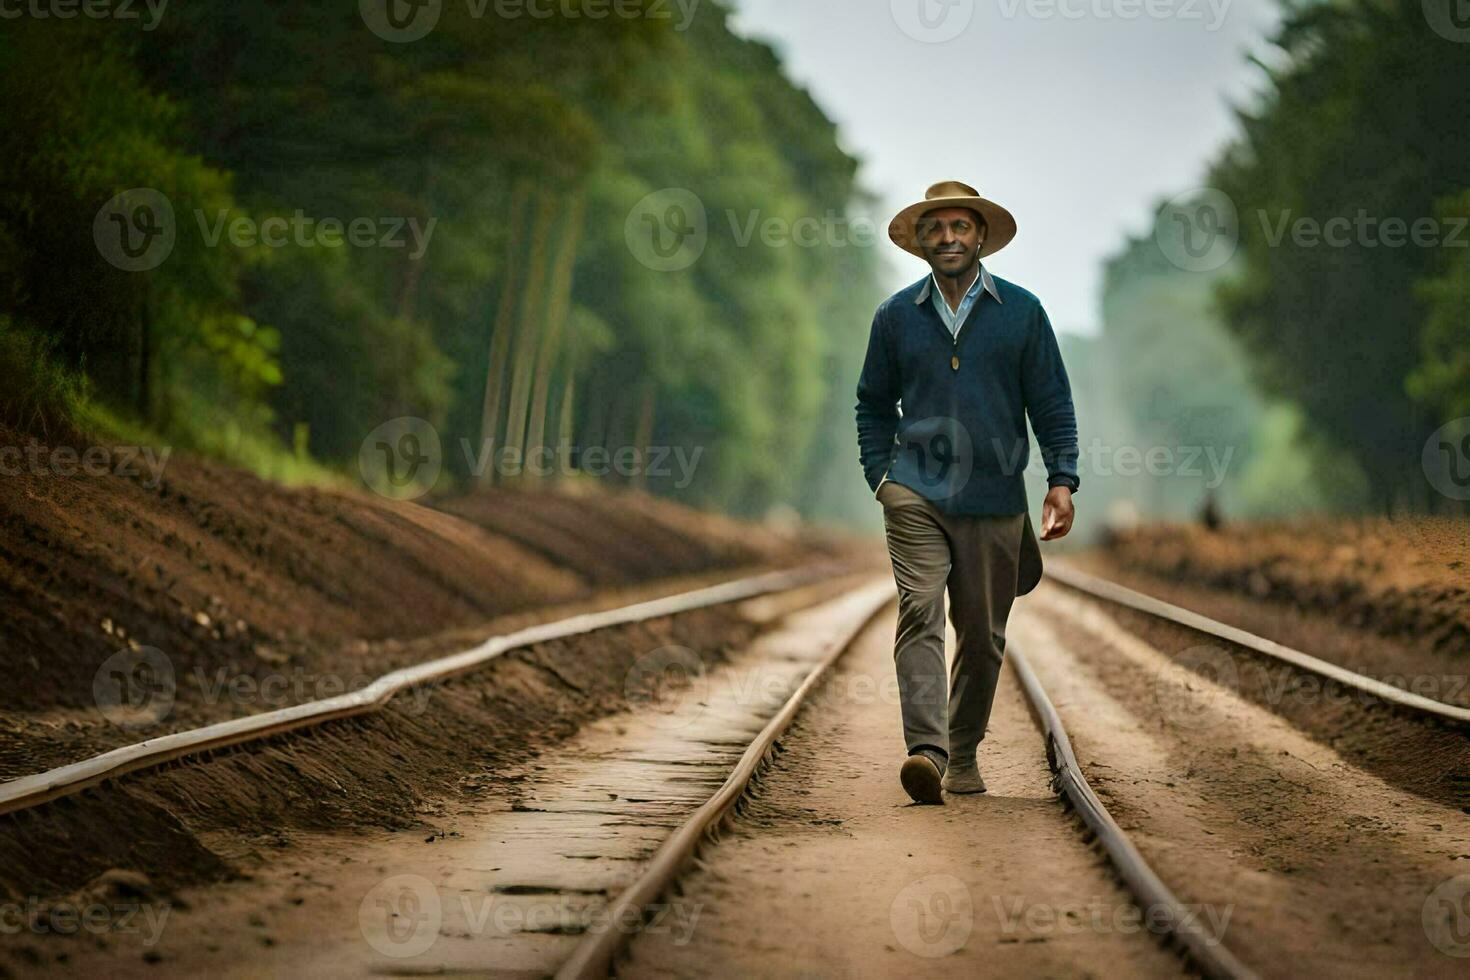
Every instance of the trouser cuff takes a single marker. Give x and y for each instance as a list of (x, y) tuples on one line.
[(934, 754)]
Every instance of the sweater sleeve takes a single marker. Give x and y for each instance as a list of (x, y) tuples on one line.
[(878, 394), (1048, 398)]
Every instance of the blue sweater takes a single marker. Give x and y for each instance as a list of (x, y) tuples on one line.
[(961, 439)]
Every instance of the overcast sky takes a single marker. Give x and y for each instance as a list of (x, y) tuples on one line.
[(1076, 118)]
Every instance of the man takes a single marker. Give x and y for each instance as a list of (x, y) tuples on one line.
[(968, 356)]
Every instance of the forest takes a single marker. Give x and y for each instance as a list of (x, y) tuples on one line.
[(629, 248), (1326, 344), (361, 230)]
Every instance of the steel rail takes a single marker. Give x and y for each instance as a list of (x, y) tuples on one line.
[(43, 787), (1101, 588), (1207, 953), (595, 954)]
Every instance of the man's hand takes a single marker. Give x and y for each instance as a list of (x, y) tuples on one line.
[(1056, 513)]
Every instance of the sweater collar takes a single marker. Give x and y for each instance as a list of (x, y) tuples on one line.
[(985, 280)]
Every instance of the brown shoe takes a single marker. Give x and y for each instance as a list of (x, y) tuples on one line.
[(921, 778), (963, 778)]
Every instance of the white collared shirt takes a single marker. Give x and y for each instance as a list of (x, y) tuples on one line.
[(954, 319)]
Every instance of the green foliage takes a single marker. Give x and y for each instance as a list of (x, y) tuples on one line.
[(82, 126), (1442, 380), (1291, 471), (1167, 376), (752, 350), (258, 111), (38, 393), (1366, 113)]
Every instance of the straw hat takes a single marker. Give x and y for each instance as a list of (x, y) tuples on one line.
[(1000, 225)]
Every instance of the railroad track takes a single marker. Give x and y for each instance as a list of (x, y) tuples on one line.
[(52, 784), (1204, 951), (596, 954), (1118, 595)]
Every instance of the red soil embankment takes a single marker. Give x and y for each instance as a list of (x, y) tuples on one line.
[(217, 568), (1385, 597)]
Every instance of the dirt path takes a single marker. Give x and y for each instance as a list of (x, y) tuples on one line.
[(512, 870), (1327, 869), (1307, 863), (833, 873)]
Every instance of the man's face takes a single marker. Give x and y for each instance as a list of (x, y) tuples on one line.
[(950, 239)]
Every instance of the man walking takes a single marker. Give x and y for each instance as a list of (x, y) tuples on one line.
[(968, 356)]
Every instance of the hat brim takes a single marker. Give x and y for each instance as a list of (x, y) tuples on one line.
[(1000, 224)]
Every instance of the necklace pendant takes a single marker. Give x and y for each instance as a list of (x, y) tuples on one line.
[(954, 363)]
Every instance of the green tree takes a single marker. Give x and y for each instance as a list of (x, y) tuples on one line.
[(81, 126), (1363, 117), (1442, 380)]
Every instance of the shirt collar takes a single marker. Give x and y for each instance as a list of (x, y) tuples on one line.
[(983, 280)]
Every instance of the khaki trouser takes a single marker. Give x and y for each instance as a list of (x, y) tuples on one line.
[(978, 560)]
